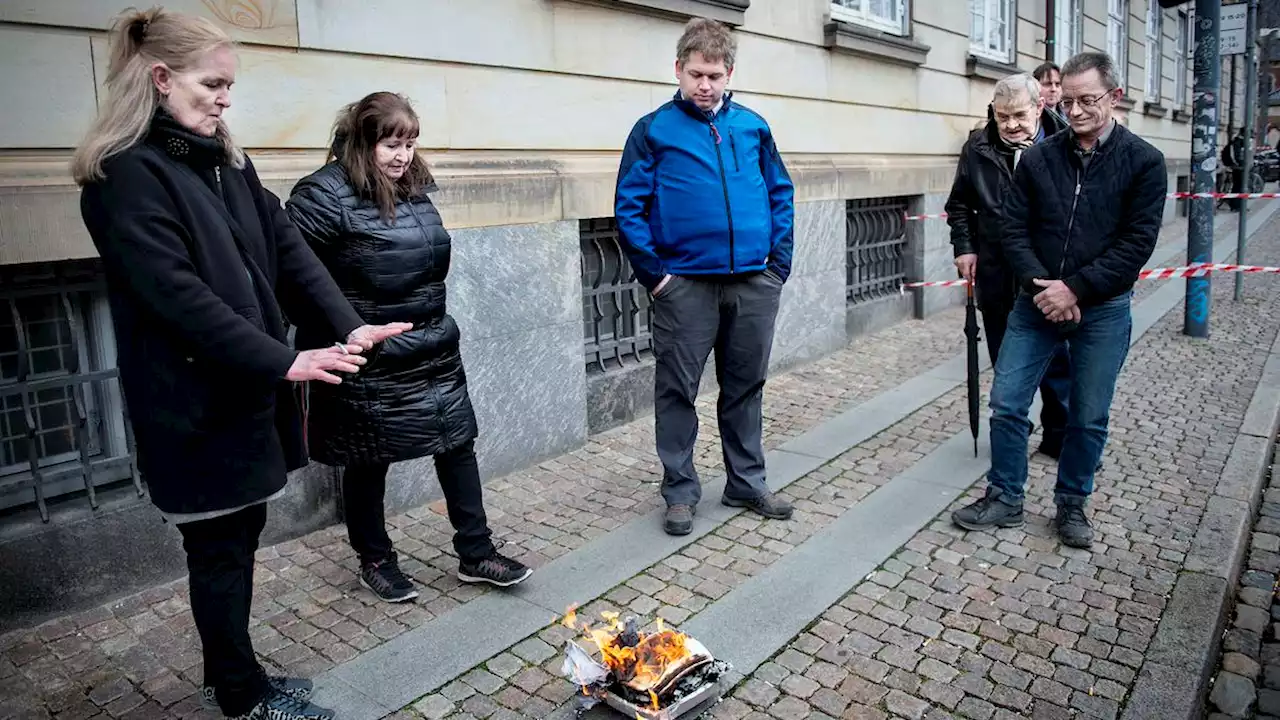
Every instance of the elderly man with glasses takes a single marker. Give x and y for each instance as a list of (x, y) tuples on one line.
[(1081, 221)]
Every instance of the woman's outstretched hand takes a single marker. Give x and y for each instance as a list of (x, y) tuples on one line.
[(366, 336), (323, 363)]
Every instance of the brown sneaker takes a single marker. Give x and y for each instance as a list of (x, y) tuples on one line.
[(679, 519), (767, 505)]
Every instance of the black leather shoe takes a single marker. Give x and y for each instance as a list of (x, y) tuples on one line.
[(992, 511)]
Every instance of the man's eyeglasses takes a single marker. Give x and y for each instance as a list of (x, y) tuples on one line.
[(1086, 101)]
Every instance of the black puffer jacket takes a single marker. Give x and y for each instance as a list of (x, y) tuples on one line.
[(1092, 227), (975, 207), (411, 399)]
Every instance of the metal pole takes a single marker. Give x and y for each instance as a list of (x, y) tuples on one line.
[(1050, 30), (1204, 161), (1250, 97), (1231, 100)]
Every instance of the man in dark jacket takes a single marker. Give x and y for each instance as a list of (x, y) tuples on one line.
[(705, 211), (1017, 119), (1049, 75), (1081, 221)]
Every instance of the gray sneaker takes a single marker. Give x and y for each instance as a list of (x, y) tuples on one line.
[(1073, 526), (767, 505), (679, 519), (990, 512)]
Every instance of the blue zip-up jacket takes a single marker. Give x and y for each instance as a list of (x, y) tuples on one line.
[(703, 194)]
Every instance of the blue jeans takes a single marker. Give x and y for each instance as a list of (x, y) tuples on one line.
[(1097, 348)]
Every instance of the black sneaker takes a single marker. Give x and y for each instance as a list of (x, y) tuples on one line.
[(989, 512), (278, 706), (496, 570), (678, 519), (386, 580), (767, 505), (296, 688), (1073, 527)]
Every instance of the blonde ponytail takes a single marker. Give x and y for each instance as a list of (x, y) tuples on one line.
[(138, 40)]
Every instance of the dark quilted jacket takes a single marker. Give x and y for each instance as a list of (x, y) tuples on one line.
[(411, 399), (1092, 227)]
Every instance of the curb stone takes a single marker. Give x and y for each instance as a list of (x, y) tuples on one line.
[(1183, 655)]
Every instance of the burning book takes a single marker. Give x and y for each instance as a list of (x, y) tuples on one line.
[(649, 676)]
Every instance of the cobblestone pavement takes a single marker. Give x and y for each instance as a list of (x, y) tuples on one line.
[(967, 625), (1248, 682), (1012, 624), (139, 657)]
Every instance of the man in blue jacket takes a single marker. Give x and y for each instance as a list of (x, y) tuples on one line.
[(705, 211)]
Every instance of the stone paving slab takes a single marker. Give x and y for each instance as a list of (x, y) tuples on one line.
[(140, 655)]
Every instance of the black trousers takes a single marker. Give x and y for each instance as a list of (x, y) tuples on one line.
[(220, 561), (1053, 409), (364, 489), (692, 318)]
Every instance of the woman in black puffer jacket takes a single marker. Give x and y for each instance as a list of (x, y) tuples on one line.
[(367, 216)]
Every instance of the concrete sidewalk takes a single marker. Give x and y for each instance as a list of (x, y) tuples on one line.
[(866, 444)]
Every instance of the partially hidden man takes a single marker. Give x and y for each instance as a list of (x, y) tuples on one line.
[(1017, 118), (705, 210)]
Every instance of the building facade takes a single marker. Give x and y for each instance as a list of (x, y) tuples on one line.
[(525, 105)]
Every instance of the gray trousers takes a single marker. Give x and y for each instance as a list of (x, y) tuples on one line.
[(691, 317)]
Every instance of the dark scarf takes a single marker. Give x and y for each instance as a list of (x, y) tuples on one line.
[(1012, 153), (197, 151)]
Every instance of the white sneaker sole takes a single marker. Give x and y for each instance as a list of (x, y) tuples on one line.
[(477, 579)]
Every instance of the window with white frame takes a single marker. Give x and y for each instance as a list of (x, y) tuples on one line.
[(888, 16), (991, 29), (1155, 52), (1182, 60), (1068, 26), (1118, 38)]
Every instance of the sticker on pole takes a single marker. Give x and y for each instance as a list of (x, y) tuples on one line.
[(1231, 29)]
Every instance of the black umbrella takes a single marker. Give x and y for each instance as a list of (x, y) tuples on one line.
[(971, 342)]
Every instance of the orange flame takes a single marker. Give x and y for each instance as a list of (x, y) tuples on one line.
[(641, 666)]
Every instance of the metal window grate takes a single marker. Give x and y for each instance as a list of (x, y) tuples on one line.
[(62, 423), (616, 312), (875, 248)]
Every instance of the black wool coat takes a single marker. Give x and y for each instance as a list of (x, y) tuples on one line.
[(411, 399), (202, 266)]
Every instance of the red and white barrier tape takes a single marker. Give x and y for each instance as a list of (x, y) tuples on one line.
[(932, 283), (1202, 269), (1169, 273), (934, 216), (1226, 196)]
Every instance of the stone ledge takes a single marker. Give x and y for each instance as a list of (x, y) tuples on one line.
[(1155, 109), (987, 69), (865, 42), (40, 216), (1181, 115), (730, 12)]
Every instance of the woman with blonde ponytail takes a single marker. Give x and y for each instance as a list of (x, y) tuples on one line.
[(202, 266)]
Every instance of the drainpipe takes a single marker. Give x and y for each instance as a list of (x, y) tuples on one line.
[(1050, 29)]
